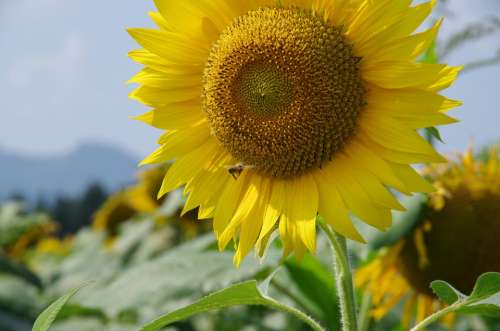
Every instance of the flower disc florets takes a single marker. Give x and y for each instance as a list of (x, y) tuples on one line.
[(282, 90)]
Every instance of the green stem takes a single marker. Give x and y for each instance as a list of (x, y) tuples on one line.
[(436, 316), (364, 313), (297, 313), (343, 275)]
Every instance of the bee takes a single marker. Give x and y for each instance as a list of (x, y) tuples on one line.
[(237, 169)]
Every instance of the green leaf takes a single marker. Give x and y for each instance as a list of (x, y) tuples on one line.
[(446, 292), (487, 285), (246, 293), (486, 307), (47, 317), (484, 299), (315, 283), (180, 274), (431, 55), (71, 310), (433, 132)]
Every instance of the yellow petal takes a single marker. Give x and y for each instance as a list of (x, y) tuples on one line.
[(397, 156), (160, 21), (302, 208), (413, 181), (188, 166), (251, 226), (159, 79), (245, 207), (393, 134), (157, 98), (374, 16), (227, 203), (377, 192), (401, 26), (175, 116), (274, 207), (407, 48), (173, 47), (397, 74), (204, 186), (355, 197), (374, 163), (178, 143), (333, 209)]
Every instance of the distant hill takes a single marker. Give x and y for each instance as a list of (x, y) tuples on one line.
[(67, 174)]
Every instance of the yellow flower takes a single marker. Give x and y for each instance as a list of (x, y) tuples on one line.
[(456, 241), (55, 246), (29, 238), (277, 110), (131, 201)]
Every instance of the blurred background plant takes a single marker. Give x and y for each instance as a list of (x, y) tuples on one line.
[(145, 258)]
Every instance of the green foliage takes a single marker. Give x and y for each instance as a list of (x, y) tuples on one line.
[(19, 297), (48, 316), (433, 133), (14, 223), (315, 283), (14, 268), (246, 293), (431, 55), (484, 299), (446, 292)]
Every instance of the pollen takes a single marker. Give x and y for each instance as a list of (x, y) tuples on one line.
[(282, 90)]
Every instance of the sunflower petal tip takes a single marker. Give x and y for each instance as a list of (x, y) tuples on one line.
[(357, 237), (237, 259)]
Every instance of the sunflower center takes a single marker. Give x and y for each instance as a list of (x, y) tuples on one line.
[(461, 245), (282, 90), (262, 89)]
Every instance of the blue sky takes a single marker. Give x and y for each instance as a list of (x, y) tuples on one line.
[(64, 64)]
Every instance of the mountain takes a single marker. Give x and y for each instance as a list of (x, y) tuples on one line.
[(68, 174)]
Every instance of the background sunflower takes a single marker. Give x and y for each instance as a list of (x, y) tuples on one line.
[(455, 239)]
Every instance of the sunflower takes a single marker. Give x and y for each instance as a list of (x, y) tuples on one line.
[(456, 240), (55, 246), (274, 111), (31, 236), (131, 201)]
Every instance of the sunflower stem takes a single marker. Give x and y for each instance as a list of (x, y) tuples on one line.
[(436, 316), (297, 313), (343, 276)]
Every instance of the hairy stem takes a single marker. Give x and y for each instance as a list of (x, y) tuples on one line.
[(436, 316), (343, 276), (297, 313)]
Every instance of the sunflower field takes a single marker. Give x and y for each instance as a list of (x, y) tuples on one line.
[(298, 182)]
